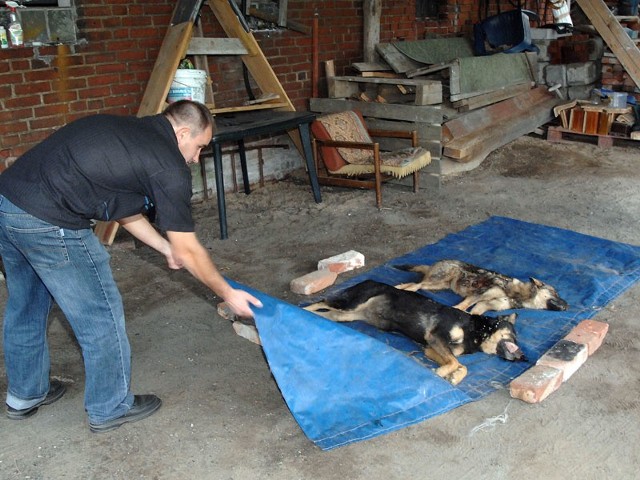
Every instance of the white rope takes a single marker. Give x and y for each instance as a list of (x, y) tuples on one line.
[(490, 423)]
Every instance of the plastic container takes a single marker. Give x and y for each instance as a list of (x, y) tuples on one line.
[(4, 43), (188, 84), (15, 28), (618, 100)]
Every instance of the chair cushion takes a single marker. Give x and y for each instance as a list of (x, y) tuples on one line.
[(345, 126), (398, 163)]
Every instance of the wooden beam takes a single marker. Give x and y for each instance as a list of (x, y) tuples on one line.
[(371, 10), (216, 46)]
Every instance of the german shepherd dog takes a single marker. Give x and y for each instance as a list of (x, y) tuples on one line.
[(482, 289), (444, 331)]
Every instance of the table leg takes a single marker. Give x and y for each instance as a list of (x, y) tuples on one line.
[(243, 166), (305, 138), (222, 210)]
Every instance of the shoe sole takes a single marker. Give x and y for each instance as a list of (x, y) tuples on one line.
[(30, 412), (118, 422)]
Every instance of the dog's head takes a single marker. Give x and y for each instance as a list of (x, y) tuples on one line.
[(545, 297), (501, 338)]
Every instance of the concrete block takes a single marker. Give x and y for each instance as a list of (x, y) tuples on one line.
[(541, 78), (580, 92), (581, 73), (589, 333), (247, 331), (543, 54), (313, 282), (536, 384), (343, 262), (566, 356), (556, 74)]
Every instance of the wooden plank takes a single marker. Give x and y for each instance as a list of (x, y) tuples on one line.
[(371, 10), (246, 108), (173, 49), (462, 133), (399, 62), (381, 75), (492, 97), (614, 36), (216, 46), (371, 67), (390, 111), (484, 141), (426, 70)]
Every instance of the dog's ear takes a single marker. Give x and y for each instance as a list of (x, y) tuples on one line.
[(536, 282)]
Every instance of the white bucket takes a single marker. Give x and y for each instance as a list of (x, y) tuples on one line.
[(187, 84)]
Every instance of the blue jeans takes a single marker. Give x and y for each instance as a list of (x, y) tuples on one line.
[(45, 263)]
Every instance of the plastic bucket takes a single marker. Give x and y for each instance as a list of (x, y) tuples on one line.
[(187, 85)]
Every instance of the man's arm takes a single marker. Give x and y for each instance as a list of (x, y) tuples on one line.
[(189, 253), (183, 249), (139, 227)]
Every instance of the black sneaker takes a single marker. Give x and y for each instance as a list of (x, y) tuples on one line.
[(143, 406), (56, 391)]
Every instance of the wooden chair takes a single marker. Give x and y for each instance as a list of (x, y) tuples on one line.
[(346, 156)]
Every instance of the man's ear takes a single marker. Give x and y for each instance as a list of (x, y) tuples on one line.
[(182, 133)]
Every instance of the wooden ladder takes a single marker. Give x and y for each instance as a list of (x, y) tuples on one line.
[(622, 46), (179, 41)]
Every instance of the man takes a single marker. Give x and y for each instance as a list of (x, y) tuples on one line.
[(101, 167)]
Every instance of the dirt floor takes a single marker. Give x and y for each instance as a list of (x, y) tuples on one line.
[(223, 416)]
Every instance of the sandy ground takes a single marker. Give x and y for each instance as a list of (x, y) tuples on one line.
[(223, 416)]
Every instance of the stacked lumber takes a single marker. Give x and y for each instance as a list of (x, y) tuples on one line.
[(425, 85)]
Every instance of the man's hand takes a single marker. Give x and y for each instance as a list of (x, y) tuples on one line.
[(240, 302)]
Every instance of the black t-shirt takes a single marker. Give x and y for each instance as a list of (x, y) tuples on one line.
[(104, 167)]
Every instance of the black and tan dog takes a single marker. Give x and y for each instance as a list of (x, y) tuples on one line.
[(483, 289), (444, 331)]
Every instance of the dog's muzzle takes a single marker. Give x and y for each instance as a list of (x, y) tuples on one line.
[(510, 351), (557, 304)]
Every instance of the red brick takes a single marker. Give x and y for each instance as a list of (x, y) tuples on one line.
[(566, 356), (589, 333), (313, 282), (343, 262), (536, 384)]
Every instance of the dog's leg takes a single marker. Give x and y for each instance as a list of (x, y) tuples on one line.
[(467, 302), (411, 287), (450, 368), (493, 304)]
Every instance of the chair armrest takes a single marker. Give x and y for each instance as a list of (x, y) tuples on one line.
[(345, 144)]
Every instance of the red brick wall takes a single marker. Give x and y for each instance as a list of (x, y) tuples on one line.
[(42, 89)]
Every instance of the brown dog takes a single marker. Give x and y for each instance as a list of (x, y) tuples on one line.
[(483, 289)]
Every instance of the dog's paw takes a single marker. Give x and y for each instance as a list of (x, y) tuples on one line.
[(456, 377)]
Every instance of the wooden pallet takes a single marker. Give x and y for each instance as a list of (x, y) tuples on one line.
[(559, 134)]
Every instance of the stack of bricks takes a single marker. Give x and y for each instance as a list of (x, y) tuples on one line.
[(558, 365)]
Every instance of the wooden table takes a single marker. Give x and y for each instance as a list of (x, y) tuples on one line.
[(237, 127)]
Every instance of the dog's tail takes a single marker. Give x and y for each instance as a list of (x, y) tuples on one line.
[(422, 269)]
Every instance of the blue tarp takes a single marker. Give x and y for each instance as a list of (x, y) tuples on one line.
[(349, 382)]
